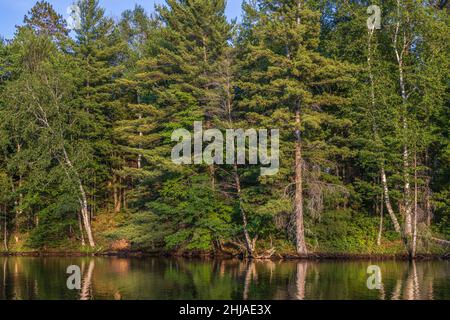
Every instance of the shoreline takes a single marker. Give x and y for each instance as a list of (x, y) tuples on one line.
[(279, 257)]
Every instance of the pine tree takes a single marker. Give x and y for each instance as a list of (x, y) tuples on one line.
[(100, 52), (290, 84), (44, 20), (171, 88), (86, 127)]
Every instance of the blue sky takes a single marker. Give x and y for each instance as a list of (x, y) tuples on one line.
[(13, 11)]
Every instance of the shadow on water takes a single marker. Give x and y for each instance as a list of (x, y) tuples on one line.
[(162, 278)]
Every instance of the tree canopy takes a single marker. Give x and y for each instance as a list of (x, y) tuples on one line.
[(86, 123)]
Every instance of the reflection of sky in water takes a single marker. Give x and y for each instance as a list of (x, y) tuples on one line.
[(159, 278)]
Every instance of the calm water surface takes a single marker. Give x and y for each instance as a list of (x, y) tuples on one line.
[(163, 278)]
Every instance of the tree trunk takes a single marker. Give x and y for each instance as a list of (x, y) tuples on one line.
[(298, 198), (211, 167), (249, 243), (5, 235), (116, 195), (19, 210), (5, 227), (80, 226), (388, 202), (82, 198), (85, 215), (407, 189), (407, 195), (428, 208), (375, 131), (441, 241), (139, 159), (385, 193), (380, 228), (414, 240), (83, 202), (123, 195)]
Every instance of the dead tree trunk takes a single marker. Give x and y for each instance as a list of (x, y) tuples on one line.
[(249, 243), (298, 198), (441, 241)]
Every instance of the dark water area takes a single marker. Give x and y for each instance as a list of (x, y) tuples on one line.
[(170, 278)]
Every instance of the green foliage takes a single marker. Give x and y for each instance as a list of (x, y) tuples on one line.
[(345, 231), (44, 20), (55, 223), (86, 124), (194, 215)]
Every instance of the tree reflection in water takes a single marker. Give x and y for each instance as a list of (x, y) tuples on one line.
[(164, 278)]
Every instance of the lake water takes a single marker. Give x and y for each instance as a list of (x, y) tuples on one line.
[(167, 278)]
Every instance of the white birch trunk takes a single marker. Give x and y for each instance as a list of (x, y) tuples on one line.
[(83, 202), (380, 227), (383, 173), (67, 162), (80, 226), (407, 188), (388, 202)]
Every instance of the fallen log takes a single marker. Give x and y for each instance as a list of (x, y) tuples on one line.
[(441, 241)]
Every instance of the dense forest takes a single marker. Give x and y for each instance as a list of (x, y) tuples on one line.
[(87, 116)]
